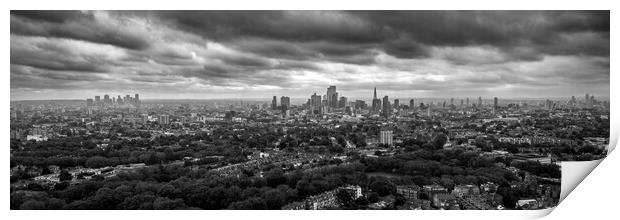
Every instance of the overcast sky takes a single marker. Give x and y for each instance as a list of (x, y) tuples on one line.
[(258, 54)]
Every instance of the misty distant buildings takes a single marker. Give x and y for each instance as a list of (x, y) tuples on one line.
[(332, 104), (127, 101)]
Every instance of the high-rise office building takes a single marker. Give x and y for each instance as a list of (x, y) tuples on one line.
[(376, 103), (411, 104), (106, 99), (467, 104), (494, 105), (89, 102), (387, 137), (315, 100), (274, 103), (396, 104), (374, 96), (97, 100), (342, 102), (285, 103), (387, 109), (479, 102), (332, 97), (136, 99)]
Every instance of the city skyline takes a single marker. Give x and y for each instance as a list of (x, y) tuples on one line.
[(305, 110), (208, 55)]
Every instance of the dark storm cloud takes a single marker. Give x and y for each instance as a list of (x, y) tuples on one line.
[(283, 25), (35, 78), (75, 25), (54, 55), (397, 50), (503, 29), (404, 34)]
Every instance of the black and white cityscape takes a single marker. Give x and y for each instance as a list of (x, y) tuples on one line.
[(304, 110)]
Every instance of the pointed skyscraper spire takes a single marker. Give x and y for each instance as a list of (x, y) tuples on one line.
[(375, 95)]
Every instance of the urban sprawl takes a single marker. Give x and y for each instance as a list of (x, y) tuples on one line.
[(328, 152)]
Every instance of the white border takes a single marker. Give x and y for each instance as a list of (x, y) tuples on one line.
[(598, 191)]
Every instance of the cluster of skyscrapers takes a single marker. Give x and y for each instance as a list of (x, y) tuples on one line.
[(114, 101), (328, 102), (319, 104)]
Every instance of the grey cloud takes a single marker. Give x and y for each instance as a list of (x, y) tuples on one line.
[(246, 49), (51, 56), (73, 25)]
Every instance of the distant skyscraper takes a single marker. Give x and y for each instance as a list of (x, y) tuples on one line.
[(479, 102), (332, 97), (315, 100), (387, 110), (494, 104), (396, 104), (376, 103), (274, 103), (285, 103), (89, 102), (467, 102), (342, 102), (451, 102), (106, 99), (375, 94), (411, 104), (97, 100)]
